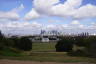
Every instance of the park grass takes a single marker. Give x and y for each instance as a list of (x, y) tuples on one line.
[(50, 57), (10, 52), (43, 47), (45, 52)]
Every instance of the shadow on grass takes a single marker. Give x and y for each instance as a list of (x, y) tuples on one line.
[(80, 53)]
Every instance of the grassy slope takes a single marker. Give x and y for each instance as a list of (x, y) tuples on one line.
[(43, 47), (52, 57), (39, 54)]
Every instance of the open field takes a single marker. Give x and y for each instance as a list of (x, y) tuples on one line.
[(43, 47), (4, 61), (45, 52), (50, 57)]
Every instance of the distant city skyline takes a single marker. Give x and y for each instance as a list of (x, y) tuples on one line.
[(26, 17)]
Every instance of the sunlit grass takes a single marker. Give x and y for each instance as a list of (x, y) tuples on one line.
[(50, 57), (45, 52), (43, 47)]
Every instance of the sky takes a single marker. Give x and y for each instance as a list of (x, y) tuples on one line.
[(24, 17)]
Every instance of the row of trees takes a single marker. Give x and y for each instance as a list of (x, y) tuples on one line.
[(20, 43), (78, 45)]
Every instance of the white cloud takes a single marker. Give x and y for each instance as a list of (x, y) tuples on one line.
[(75, 22), (81, 26), (44, 6), (18, 9), (33, 14), (92, 26), (71, 8), (19, 28), (86, 11), (35, 27), (9, 15), (73, 3), (50, 27), (47, 3), (12, 14), (65, 26)]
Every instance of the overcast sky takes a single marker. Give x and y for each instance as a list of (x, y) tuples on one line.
[(30, 16)]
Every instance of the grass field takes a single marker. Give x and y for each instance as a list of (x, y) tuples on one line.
[(50, 57), (43, 47), (46, 52)]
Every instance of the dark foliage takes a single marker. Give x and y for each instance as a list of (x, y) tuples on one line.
[(79, 41), (1, 40), (85, 45), (64, 45), (16, 41), (25, 44)]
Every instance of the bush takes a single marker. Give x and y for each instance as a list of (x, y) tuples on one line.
[(5, 42), (9, 52), (84, 45), (1, 40), (79, 41), (91, 46), (64, 45), (77, 53), (16, 41), (25, 44)]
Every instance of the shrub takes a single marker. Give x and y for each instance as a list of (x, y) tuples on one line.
[(64, 45), (16, 41), (91, 46), (1, 40), (25, 44)]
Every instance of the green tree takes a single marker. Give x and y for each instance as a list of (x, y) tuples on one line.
[(25, 44), (1, 40), (64, 45)]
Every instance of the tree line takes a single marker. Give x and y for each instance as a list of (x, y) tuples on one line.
[(20, 43), (83, 44)]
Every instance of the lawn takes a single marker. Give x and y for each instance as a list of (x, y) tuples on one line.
[(46, 52), (50, 57), (43, 47)]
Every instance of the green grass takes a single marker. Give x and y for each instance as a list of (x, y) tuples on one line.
[(9, 52), (42, 47), (45, 52), (50, 57)]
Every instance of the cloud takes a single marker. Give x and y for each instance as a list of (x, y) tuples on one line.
[(87, 11), (34, 27), (67, 9), (33, 14), (18, 9), (92, 26), (71, 8), (41, 8), (74, 25), (20, 28), (12, 15), (75, 22), (50, 27), (44, 6), (9, 15)]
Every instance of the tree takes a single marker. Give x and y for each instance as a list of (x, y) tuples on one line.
[(79, 41), (16, 41), (25, 44), (64, 45), (1, 35), (91, 46), (1, 40)]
